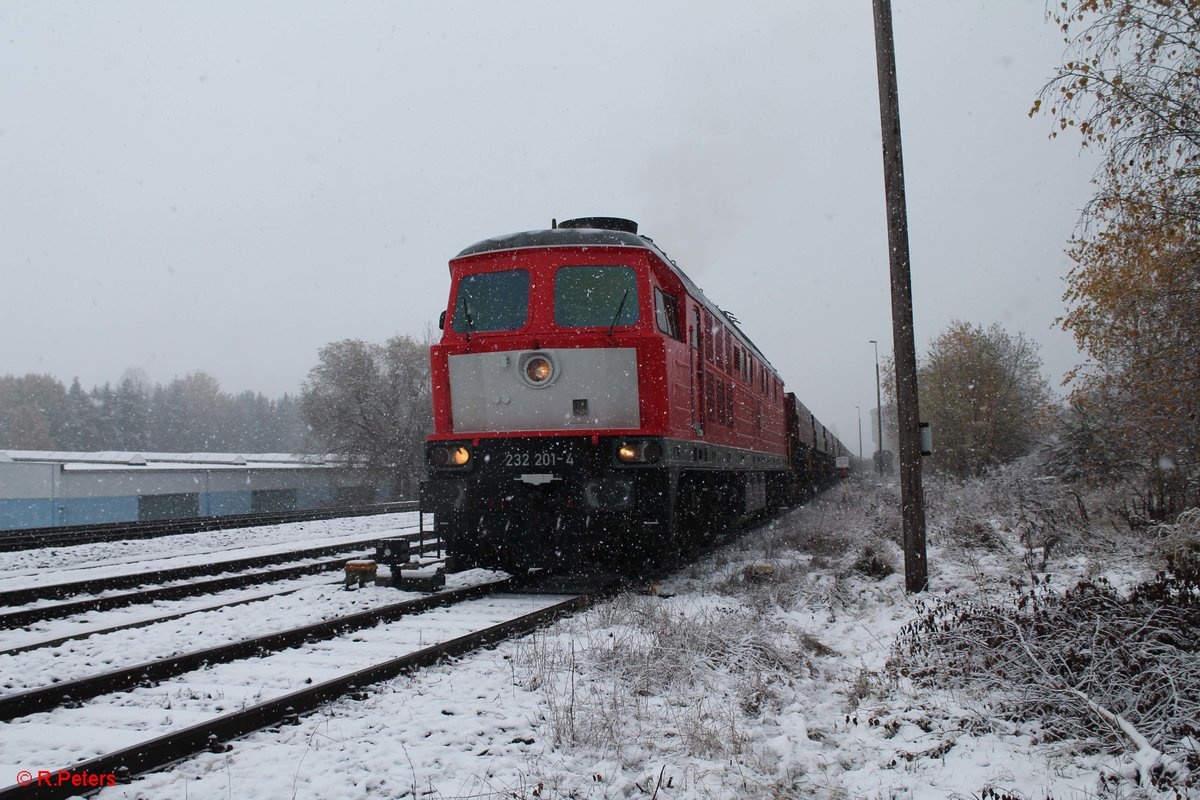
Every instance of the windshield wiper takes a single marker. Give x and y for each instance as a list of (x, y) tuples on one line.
[(467, 317), (617, 316)]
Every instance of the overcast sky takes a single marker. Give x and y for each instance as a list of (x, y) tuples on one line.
[(227, 186)]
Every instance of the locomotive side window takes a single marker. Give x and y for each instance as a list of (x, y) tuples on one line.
[(666, 313), (710, 397), (591, 297), (492, 301), (710, 341)]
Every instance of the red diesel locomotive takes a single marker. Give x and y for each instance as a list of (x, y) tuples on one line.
[(592, 406)]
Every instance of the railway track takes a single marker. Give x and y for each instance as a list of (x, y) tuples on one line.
[(351, 652), (197, 689), (70, 535), (85, 632), (250, 571), (156, 670)]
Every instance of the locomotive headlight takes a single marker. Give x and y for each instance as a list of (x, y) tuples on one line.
[(449, 455), (639, 452), (537, 370)]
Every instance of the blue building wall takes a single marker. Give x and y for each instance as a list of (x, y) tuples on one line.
[(44, 512), (44, 493), (314, 498), (94, 510), (27, 513), (16, 514), (218, 504)]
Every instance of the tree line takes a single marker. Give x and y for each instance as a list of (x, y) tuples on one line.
[(189, 414), (366, 404)]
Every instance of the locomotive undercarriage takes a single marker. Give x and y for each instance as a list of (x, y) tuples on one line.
[(561, 503)]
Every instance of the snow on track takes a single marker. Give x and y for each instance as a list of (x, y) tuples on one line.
[(59, 738), (93, 621), (81, 658), (32, 568)]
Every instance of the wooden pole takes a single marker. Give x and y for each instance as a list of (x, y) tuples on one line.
[(916, 574)]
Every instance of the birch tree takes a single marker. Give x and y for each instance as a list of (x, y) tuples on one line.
[(1130, 87)]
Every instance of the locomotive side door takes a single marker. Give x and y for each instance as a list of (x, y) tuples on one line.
[(696, 341)]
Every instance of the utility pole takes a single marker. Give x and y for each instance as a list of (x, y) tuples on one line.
[(912, 502)]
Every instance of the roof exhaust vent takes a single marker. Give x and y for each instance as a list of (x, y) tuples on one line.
[(602, 224)]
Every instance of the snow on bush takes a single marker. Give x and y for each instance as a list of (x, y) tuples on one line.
[(1101, 670), (1045, 516), (1179, 545)]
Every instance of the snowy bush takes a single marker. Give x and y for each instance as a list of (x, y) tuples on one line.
[(859, 536), (1015, 504), (1105, 671), (1179, 546)]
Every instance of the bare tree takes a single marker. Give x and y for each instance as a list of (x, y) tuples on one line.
[(370, 404)]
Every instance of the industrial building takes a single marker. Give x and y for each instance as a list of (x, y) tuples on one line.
[(43, 489)]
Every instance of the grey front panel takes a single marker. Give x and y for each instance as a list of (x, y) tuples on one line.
[(488, 393)]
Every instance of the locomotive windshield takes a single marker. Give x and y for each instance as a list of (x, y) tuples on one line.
[(492, 301), (588, 297)]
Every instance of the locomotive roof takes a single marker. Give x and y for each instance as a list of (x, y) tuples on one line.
[(597, 237)]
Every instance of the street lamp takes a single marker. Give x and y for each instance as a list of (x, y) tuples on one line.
[(878, 408)]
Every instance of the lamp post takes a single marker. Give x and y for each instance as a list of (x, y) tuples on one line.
[(878, 409), (859, 410)]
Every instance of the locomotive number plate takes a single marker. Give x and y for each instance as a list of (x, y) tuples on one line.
[(539, 458)]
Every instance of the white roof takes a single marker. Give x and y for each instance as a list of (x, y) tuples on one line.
[(120, 460)]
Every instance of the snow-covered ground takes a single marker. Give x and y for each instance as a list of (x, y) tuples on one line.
[(23, 568), (67, 735), (311, 603), (760, 672)]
